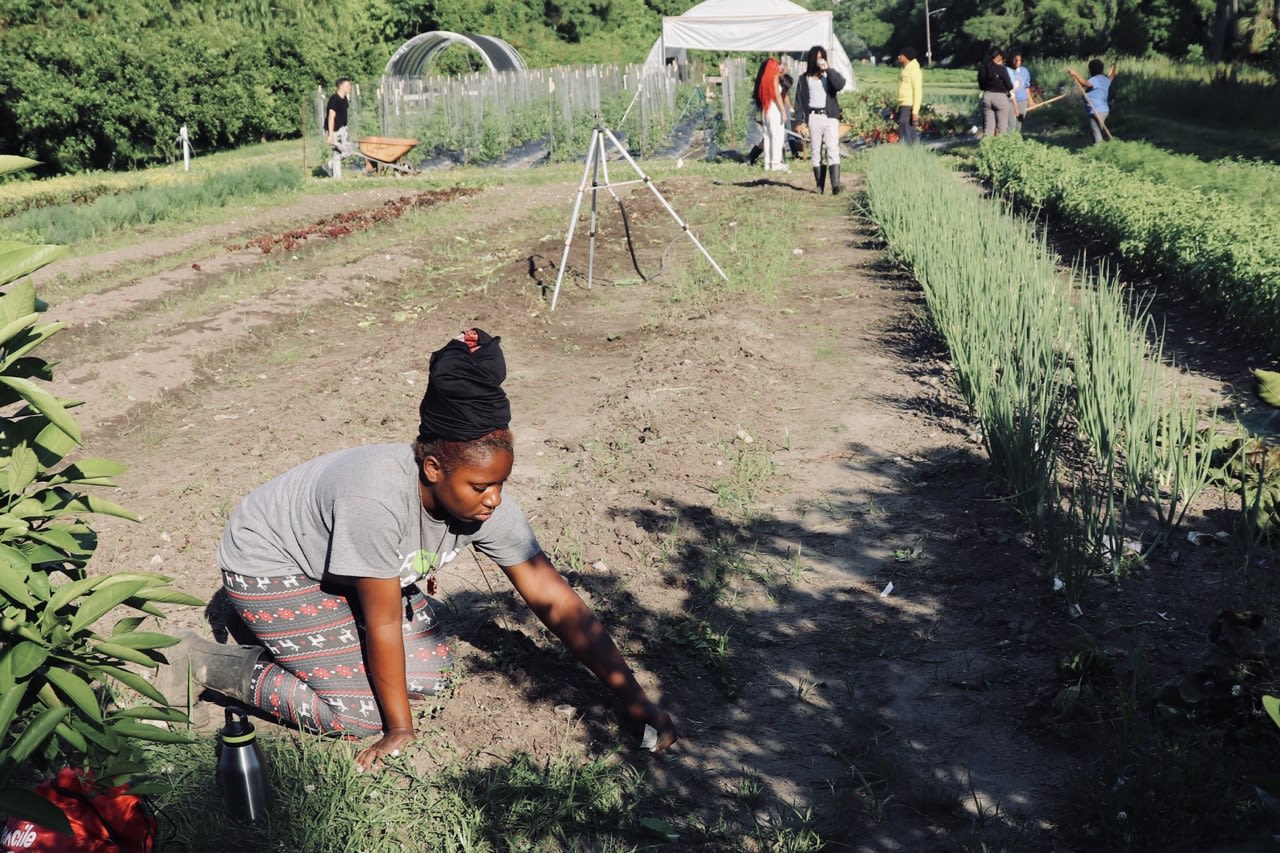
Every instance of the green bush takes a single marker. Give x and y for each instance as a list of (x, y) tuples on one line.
[(1219, 247), (93, 85), (59, 674), (321, 803)]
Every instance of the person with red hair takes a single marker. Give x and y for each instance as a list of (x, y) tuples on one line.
[(768, 96)]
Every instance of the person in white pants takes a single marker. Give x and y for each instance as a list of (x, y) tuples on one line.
[(773, 108), (817, 106)]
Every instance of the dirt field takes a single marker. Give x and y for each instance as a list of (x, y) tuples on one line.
[(778, 505)]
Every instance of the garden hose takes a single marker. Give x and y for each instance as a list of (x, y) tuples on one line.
[(631, 246)]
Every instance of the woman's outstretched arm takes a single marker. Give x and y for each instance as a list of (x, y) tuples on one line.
[(553, 601)]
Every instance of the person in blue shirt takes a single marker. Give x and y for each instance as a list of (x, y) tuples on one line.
[(1096, 91), (1021, 75)]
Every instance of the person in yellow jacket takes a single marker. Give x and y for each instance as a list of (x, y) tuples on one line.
[(910, 95)]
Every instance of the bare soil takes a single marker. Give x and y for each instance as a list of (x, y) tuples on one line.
[(794, 478)]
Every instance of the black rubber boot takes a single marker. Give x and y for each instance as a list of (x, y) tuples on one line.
[(820, 176), (197, 663), (755, 155), (835, 179)]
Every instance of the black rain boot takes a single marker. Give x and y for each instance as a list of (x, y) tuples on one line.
[(225, 669), (755, 154), (820, 176), (835, 179)]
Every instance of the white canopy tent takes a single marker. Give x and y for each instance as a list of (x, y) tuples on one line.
[(779, 26)]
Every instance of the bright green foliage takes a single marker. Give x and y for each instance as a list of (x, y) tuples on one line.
[(184, 195), (554, 32), (1052, 369), (98, 85), (961, 29), (56, 661), (1215, 245), (1268, 386)]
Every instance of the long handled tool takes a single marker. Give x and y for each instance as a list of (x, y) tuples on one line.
[(1038, 104)]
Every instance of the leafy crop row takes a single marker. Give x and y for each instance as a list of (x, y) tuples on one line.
[(1222, 248), (1246, 182), (173, 196), (1053, 370)]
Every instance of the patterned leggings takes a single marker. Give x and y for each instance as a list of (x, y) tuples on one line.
[(315, 677)]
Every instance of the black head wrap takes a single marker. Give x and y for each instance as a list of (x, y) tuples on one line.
[(464, 398)]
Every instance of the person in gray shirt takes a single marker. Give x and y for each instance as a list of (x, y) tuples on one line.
[(323, 565)]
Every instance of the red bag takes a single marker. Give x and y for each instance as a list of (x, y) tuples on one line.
[(104, 820)]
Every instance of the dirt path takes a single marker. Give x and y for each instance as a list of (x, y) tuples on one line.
[(733, 483)]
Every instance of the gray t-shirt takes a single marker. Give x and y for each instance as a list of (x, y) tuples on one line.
[(358, 513)]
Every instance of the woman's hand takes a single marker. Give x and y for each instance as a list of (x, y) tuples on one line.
[(391, 744), (649, 714), (554, 602)]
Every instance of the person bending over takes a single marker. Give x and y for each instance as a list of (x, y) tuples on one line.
[(323, 564)]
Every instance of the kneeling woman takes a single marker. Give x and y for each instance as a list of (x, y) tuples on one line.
[(322, 564)]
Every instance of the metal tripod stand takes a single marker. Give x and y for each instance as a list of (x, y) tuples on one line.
[(598, 166)]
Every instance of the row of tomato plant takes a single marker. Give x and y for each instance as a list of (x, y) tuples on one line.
[(1254, 183), (1223, 249)]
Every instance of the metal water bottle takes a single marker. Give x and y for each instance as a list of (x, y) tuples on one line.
[(242, 772)]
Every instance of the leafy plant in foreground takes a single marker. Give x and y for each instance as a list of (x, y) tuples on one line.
[(56, 704)]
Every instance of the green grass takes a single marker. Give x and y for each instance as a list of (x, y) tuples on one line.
[(750, 472), (752, 243), (320, 804), (69, 224)]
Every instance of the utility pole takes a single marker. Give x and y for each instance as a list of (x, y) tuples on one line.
[(928, 34), (928, 37)]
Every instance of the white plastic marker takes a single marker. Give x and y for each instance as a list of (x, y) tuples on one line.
[(650, 739)]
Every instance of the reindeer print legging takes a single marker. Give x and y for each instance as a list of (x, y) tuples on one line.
[(314, 677)]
